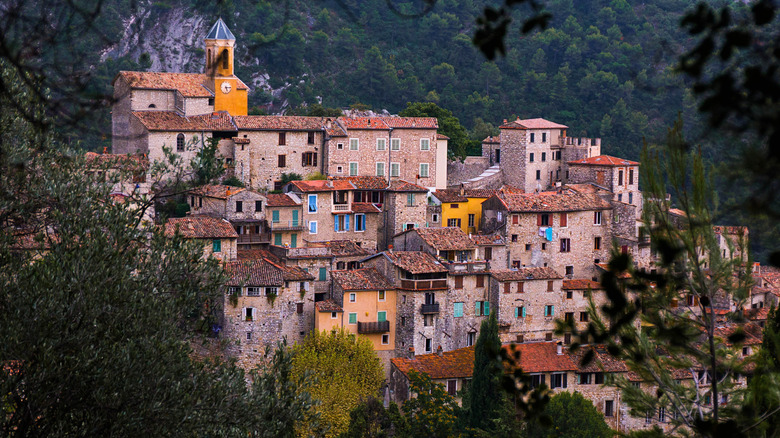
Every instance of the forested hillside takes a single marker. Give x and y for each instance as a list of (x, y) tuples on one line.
[(605, 68)]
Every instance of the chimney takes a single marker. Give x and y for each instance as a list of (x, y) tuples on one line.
[(559, 348), (505, 121), (757, 268), (440, 351), (411, 352), (462, 189), (105, 150)]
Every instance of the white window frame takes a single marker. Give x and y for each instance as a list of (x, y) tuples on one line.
[(380, 166), (308, 203), (598, 219), (254, 291), (315, 227), (427, 173), (423, 142), (382, 142), (435, 218), (379, 294), (397, 167), (354, 142), (395, 144), (352, 297), (271, 290), (339, 169), (334, 315), (339, 146), (356, 222), (350, 314), (357, 169), (385, 339)]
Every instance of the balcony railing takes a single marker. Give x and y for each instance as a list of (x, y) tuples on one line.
[(253, 238), (423, 284), (340, 207), (480, 266), (287, 225), (427, 309), (373, 327)]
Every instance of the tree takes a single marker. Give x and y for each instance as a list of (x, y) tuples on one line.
[(449, 125), (484, 393), (573, 417), (431, 411), (345, 370), (371, 420)]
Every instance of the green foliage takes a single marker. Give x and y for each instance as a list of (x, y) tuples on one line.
[(233, 181), (484, 393), (431, 411), (449, 125), (315, 176), (346, 370), (574, 417), (371, 420), (207, 165), (292, 176)]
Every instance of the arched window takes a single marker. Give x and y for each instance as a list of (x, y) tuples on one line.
[(225, 56), (151, 105), (208, 58), (180, 143)]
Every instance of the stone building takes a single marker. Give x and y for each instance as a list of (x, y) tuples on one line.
[(563, 230), (285, 223), (491, 248), (217, 236), (245, 209), (405, 208), (620, 177), (265, 302)]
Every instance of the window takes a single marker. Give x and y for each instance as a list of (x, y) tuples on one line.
[(543, 220), (661, 414), (428, 345), (216, 245), (341, 265), (481, 308), (544, 138), (312, 203), (584, 378), (558, 380), (454, 206), (531, 158), (282, 161), (309, 159), (515, 219), (435, 218), (609, 408), (458, 282), (568, 316), (275, 216), (537, 380), (520, 288), (544, 157), (549, 310), (569, 271), (334, 315), (352, 297), (339, 169), (258, 206), (533, 137), (452, 386), (480, 281), (311, 138), (597, 242), (520, 312), (488, 254), (339, 146), (360, 222), (410, 199), (471, 220), (648, 417), (395, 169), (271, 291), (457, 310), (282, 138), (544, 246), (425, 144), (294, 240), (548, 336), (341, 222), (381, 144), (507, 287), (353, 169), (453, 222), (353, 318), (427, 320), (565, 245), (249, 314), (278, 239), (514, 238), (248, 336), (470, 338), (630, 198), (423, 170), (180, 143), (395, 144), (381, 316), (564, 220), (630, 176), (354, 144), (385, 339), (550, 285), (239, 206), (620, 199), (596, 218), (584, 317), (253, 291), (322, 274), (620, 177), (380, 169)]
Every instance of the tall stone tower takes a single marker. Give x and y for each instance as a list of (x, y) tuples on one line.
[(230, 94)]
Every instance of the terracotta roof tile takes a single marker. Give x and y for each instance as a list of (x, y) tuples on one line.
[(336, 131), (581, 284), (441, 137), (539, 357), (411, 122), (449, 195), (363, 123), (253, 273), (553, 202), (491, 139), (188, 84), (488, 239), (445, 238), (327, 306), (415, 262), (216, 191), (605, 160), (365, 207), (172, 121), (602, 361), (345, 248), (280, 200), (200, 227), (256, 254), (280, 123), (290, 273), (322, 185), (240, 140), (364, 182), (398, 185), (524, 274), (532, 124), (361, 279), (479, 193)]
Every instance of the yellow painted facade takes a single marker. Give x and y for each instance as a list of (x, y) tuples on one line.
[(366, 308), (223, 81), (472, 206)]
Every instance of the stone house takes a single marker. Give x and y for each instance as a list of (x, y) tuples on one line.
[(405, 208), (619, 176), (331, 213), (245, 209), (265, 302), (368, 302), (563, 230), (217, 236), (491, 248), (285, 222)]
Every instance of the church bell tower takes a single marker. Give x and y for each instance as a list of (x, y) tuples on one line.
[(230, 94)]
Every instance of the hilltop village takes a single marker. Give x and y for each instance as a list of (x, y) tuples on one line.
[(393, 242)]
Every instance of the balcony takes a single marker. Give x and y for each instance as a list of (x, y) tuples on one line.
[(423, 284), (287, 226), (428, 309), (365, 328), (340, 208), (464, 267), (247, 239)]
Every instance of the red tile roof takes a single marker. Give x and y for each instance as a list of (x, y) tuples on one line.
[(200, 227), (336, 131), (441, 137), (280, 123), (602, 361), (172, 121), (322, 185), (253, 273), (449, 195), (280, 200), (488, 239), (364, 182), (491, 139), (605, 160), (553, 202), (361, 279), (345, 248), (412, 122), (327, 306), (525, 274), (188, 84), (365, 207), (363, 123), (240, 140), (415, 262), (445, 238), (581, 284), (479, 193), (533, 124), (216, 191), (398, 185), (289, 273)]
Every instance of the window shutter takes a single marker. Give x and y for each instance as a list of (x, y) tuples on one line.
[(487, 308), (538, 220), (346, 222), (520, 288), (517, 312), (565, 380), (564, 219), (515, 219), (523, 311), (295, 218), (478, 308), (336, 223), (507, 285), (552, 310)]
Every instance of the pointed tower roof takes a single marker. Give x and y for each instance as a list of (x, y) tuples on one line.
[(220, 31)]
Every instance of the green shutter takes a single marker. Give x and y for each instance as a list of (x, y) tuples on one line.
[(552, 310), (353, 318), (216, 245), (381, 316), (275, 216), (323, 273), (477, 308), (295, 218), (278, 239), (487, 308), (458, 310), (294, 240), (523, 311), (517, 312)]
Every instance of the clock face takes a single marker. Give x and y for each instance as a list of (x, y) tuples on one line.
[(225, 87)]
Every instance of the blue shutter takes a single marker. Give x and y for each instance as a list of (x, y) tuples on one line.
[(336, 222), (275, 216), (552, 310), (346, 222), (517, 312), (523, 311)]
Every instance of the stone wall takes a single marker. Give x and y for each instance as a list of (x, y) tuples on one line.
[(258, 161), (460, 171), (397, 213)]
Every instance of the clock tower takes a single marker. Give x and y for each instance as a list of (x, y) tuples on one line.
[(230, 94)]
